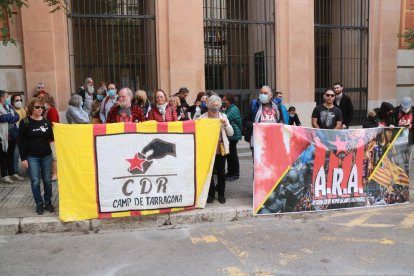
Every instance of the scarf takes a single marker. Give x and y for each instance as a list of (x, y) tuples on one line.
[(259, 112)]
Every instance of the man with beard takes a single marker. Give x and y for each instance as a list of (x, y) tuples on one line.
[(345, 105), (87, 92), (124, 112)]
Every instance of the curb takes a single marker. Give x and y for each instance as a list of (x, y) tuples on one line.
[(34, 225)]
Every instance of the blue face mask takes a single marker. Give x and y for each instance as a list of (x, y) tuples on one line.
[(263, 98), (278, 100), (99, 98), (111, 92), (7, 101), (203, 104)]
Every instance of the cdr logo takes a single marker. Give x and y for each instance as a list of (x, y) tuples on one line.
[(145, 171), (157, 149)]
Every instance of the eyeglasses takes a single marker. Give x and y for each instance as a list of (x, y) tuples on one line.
[(39, 107), (330, 95)]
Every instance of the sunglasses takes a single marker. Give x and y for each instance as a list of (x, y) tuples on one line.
[(17, 100), (39, 107), (330, 95)]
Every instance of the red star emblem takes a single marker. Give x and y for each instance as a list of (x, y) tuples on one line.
[(340, 145), (136, 163)]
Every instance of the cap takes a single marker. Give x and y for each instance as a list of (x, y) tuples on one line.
[(406, 103)]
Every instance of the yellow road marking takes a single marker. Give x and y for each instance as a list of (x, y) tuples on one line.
[(408, 222), (234, 271), (360, 222), (359, 240), (204, 239)]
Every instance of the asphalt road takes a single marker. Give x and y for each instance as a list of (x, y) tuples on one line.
[(375, 241)]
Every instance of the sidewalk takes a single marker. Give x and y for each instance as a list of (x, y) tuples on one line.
[(17, 207)]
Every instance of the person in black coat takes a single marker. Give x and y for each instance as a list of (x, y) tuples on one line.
[(345, 105), (293, 117)]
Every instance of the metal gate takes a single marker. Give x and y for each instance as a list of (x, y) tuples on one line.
[(113, 41), (341, 50), (239, 45)]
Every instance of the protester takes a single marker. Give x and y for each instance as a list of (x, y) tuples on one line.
[(293, 117), (263, 110), (175, 103), (234, 116), (161, 111), (214, 105), (404, 116), (75, 114), (386, 115), (96, 106), (124, 111), (52, 115), (35, 132), (372, 119), (108, 102), (182, 94), (40, 90), (141, 100), (345, 105), (327, 115), (87, 92), (282, 108), (17, 103), (199, 107), (8, 138)]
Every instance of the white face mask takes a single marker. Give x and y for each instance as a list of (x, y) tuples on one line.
[(18, 105)]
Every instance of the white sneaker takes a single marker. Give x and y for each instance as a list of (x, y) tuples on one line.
[(7, 179), (17, 177)]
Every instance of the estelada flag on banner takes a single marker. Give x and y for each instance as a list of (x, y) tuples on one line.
[(134, 169)]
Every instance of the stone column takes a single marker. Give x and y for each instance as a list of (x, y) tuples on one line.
[(295, 52), (45, 49), (180, 46), (383, 47)]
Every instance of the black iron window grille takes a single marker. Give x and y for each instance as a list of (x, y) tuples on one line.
[(239, 46), (113, 41), (341, 50)]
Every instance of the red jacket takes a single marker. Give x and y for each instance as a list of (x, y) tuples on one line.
[(170, 114), (137, 115), (52, 115)]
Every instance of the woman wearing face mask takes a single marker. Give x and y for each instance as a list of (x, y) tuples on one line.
[(96, 106), (142, 101), (199, 106), (214, 104), (161, 111), (75, 113), (17, 103), (8, 135)]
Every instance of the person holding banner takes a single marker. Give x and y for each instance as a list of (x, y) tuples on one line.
[(263, 110), (327, 115), (214, 104), (35, 133)]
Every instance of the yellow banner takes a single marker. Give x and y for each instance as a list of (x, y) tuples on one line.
[(134, 169)]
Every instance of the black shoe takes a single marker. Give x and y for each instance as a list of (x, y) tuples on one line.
[(232, 178), (222, 199), (49, 207), (39, 209), (210, 199)]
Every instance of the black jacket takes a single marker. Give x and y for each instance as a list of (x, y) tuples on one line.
[(347, 109)]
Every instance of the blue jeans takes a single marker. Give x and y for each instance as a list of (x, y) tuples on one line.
[(41, 168)]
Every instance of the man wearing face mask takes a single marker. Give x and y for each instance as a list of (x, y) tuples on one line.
[(87, 92), (108, 102), (124, 111), (263, 110)]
